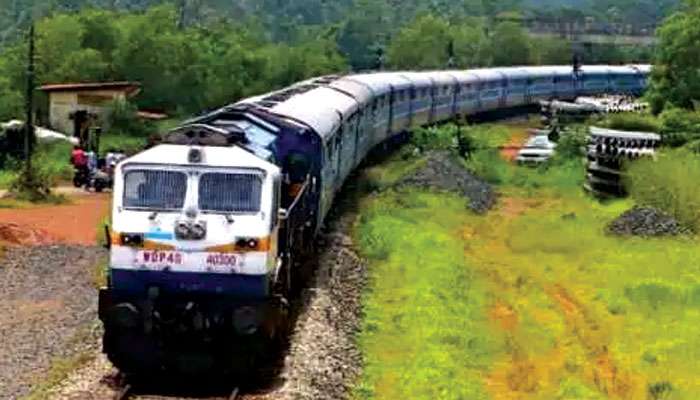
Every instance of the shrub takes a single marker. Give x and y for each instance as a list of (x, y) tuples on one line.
[(679, 120), (670, 184), (435, 138), (123, 119), (33, 185), (632, 122), (570, 145), (679, 126)]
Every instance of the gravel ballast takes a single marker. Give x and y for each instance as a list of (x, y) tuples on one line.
[(443, 172), (324, 361), (48, 305), (646, 222)]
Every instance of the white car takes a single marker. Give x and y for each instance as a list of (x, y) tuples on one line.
[(537, 150)]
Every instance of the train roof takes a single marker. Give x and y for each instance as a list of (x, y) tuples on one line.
[(444, 77), (382, 82), (359, 91), (322, 109), (465, 77), (216, 156), (421, 78), (595, 69), (488, 74)]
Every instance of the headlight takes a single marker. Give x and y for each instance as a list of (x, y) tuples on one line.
[(182, 230), (198, 231), (247, 244), (131, 239)]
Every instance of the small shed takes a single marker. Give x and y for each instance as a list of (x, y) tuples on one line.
[(93, 99)]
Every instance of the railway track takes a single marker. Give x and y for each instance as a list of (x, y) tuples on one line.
[(128, 393)]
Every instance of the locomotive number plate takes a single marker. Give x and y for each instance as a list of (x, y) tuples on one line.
[(222, 260), (161, 258)]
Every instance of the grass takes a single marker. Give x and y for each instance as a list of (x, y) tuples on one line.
[(670, 183), (533, 301), (6, 178), (413, 349)]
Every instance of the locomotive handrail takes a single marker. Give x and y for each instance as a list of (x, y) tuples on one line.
[(299, 195)]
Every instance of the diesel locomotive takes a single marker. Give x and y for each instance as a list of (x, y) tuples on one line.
[(207, 228)]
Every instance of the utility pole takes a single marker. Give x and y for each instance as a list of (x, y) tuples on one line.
[(182, 13), (451, 54), (29, 123)]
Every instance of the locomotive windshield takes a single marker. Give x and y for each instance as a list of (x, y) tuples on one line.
[(157, 190), (230, 192)]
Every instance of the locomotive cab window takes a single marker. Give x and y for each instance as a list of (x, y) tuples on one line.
[(230, 192), (154, 190)]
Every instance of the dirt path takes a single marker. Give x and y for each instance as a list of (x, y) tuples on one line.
[(76, 223), (64, 190), (519, 136), (579, 350)]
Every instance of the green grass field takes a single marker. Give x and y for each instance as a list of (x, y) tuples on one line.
[(532, 301)]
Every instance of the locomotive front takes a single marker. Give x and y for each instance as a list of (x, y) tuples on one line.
[(193, 258)]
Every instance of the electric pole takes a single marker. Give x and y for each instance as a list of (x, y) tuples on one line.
[(29, 123)]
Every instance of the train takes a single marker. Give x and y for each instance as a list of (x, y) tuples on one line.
[(210, 228)]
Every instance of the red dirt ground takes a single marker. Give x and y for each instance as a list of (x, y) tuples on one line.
[(519, 136), (74, 223)]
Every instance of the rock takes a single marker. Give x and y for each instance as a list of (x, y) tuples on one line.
[(646, 221), (443, 172), (22, 235)]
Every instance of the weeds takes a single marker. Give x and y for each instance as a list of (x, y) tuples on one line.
[(633, 122), (669, 183), (437, 271), (424, 335)]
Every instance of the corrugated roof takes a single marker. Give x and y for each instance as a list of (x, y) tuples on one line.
[(131, 88)]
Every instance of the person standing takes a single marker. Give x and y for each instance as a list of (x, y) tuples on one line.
[(79, 160)]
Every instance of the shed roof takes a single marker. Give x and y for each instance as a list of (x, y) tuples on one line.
[(131, 88)]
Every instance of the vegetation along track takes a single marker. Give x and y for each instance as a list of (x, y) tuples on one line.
[(533, 300)]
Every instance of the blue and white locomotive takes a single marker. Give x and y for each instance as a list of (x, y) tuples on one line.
[(207, 227)]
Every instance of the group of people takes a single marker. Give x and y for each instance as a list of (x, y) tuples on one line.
[(89, 167)]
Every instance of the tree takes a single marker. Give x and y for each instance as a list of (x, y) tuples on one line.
[(676, 73), (551, 51), (470, 43), (510, 45), (366, 30), (422, 44)]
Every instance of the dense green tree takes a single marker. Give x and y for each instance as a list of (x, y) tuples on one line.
[(551, 51), (366, 31), (422, 44), (510, 45), (676, 74), (471, 45)]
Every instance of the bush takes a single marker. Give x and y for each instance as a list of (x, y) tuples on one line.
[(669, 184), (123, 119), (679, 126), (435, 138), (33, 185), (632, 122), (679, 120), (570, 145)]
